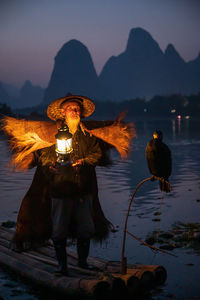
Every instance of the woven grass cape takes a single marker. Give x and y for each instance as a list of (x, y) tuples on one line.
[(34, 217), (27, 136)]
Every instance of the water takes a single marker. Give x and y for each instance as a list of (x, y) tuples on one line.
[(116, 185)]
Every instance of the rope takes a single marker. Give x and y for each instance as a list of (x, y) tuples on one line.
[(150, 246), (159, 223)]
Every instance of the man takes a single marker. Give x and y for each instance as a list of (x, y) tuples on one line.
[(62, 201), (159, 160), (71, 187)]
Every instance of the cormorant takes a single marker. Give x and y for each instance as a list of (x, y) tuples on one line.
[(159, 160)]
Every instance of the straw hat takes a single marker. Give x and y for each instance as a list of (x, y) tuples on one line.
[(54, 108)]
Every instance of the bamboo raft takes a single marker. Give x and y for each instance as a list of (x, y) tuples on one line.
[(39, 267)]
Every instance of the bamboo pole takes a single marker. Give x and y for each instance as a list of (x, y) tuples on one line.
[(123, 258), (49, 251), (32, 260), (69, 285), (31, 269), (22, 258), (115, 282), (104, 265), (45, 259), (159, 272)]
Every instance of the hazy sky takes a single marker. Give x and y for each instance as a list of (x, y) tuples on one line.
[(32, 31)]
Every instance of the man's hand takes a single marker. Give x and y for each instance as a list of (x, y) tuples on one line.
[(77, 163), (54, 167)]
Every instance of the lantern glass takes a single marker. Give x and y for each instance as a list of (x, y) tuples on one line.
[(63, 141), (64, 146)]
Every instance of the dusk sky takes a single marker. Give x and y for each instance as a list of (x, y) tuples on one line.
[(32, 31)]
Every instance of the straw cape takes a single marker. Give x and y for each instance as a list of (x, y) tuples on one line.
[(26, 137)]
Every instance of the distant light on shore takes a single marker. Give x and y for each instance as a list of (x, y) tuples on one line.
[(187, 117), (173, 111), (179, 117)]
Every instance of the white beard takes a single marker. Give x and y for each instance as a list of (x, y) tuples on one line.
[(73, 124)]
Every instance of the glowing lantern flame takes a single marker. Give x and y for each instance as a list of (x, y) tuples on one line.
[(63, 141), (64, 146)]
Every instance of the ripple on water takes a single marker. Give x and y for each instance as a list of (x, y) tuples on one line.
[(116, 185)]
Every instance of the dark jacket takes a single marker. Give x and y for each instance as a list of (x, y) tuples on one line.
[(26, 137), (34, 222), (67, 180)]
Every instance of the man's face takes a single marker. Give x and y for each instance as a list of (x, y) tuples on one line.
[(71, 110), (155, 136)]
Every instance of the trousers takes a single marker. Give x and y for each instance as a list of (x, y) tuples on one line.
[(62, 211)]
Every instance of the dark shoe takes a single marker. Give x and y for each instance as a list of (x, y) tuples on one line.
[(83, 247), (61, 254), (61, 273), (84, 265)]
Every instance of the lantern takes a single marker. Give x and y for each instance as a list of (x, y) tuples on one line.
[(63, 144)]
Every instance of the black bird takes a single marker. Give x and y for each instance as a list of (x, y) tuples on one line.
[(159, 160)]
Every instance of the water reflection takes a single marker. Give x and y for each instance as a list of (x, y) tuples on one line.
[(179, 124), (116, 185), (173, 128)]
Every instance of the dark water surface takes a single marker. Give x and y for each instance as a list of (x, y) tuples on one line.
[(116, 185)]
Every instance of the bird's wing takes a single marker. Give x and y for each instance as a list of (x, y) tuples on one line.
[(165, 161), (152, 158)]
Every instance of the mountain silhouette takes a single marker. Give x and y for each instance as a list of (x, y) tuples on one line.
[(30, 95), (141, 44), (143, 70), (195, 64), (4, 98), (11, 90), (194, 67), (135, 72), (178, 76), (73, 72)]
